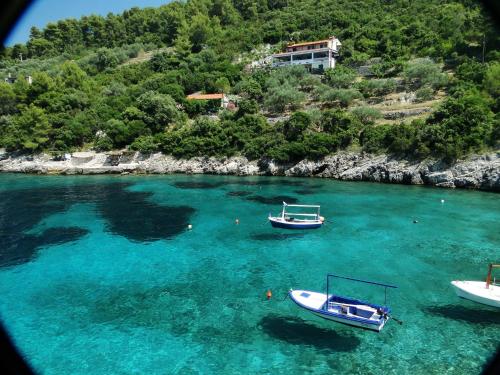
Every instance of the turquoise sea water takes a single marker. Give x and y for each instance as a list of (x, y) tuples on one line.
[(99, 275)]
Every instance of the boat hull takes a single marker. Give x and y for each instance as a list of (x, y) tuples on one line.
[(314, 302), (294, 225), (476, 291), (352, 323)]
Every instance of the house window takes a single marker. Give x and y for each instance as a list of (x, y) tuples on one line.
[(282, 58), (304, 56), (321, 55)]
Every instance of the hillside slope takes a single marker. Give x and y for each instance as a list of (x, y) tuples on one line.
[(121, 81)]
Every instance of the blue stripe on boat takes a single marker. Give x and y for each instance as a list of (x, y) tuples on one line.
[(341, 316), (277, 224)]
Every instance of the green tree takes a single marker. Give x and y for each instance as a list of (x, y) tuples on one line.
[(29, 131), (284, 97), (145, 144), (340, 77), (222, 84), (7, 99), (367, 115), (491, 81), (72, 75), (294, 127), (460, 125), (159, 110), (42, 83), (423, 72)]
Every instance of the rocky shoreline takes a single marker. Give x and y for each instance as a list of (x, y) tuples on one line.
[(476, 172)]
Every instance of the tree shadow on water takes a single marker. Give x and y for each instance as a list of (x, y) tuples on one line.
[(20, 248), (479, 315), (197, 185), (274, 200), (297, 331), (127, 213)]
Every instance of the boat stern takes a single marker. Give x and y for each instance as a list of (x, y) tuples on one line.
[(476, 291)]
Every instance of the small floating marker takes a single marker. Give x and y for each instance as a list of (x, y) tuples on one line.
[(269, 294), (237, 221), (190, 227), (442, 200), (415, 221)]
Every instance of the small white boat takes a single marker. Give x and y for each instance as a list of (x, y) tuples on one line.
[(344, 310), (487, 293), (297, 220)]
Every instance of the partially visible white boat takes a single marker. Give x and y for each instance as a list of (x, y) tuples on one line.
[(487, 293)]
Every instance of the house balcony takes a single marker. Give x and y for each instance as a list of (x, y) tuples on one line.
[(316, 59)]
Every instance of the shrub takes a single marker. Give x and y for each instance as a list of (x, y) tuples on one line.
[(423, 72), (376, 87), (460, 125), (388, 68), (374, 138), (491, 81), (295, 126), (284, 97), (401, 138), (367, 115), (319, 145), (424, 93), (247, 106), (145, 144), (7, 99), (159, 110), (248, 88), (471, 71), (103, 143), (336, 121), (340, 77), (343, 97)]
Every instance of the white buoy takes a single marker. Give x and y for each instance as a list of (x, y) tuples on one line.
[(237, 221), (190, 226), (442, 200)]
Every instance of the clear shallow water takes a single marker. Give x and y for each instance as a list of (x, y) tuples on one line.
[(99, 275)]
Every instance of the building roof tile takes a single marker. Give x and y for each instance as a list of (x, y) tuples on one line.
[(205, 96), (308, 43)]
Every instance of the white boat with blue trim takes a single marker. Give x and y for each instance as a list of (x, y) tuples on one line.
[(297, 220), (487, 293), (344, 310)]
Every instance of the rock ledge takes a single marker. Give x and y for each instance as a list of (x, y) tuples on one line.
[(476, 172)]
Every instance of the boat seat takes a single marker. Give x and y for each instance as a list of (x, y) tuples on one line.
[(363, 313)]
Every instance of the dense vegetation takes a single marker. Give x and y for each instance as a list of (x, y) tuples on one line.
[(84, 94)]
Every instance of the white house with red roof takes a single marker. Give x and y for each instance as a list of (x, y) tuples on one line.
[(315, 56)]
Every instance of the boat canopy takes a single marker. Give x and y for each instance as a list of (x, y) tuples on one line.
[(385, 286), (286, 205)]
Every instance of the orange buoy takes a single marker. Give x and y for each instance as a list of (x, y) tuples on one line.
[(269, 294)]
